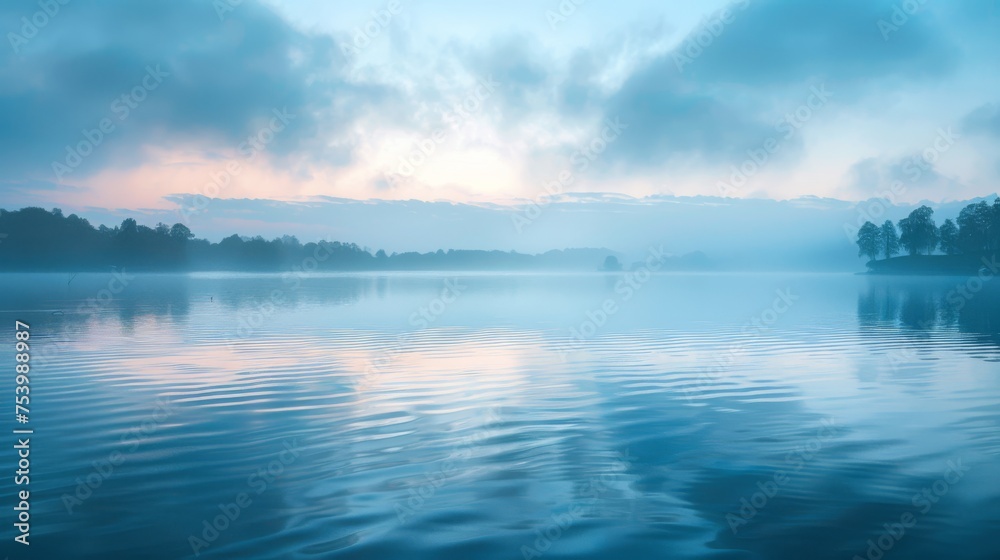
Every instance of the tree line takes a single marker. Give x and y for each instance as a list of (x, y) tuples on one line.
[(35, 239), (976, 231)]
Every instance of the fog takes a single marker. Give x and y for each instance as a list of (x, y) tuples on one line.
[(738, 234)]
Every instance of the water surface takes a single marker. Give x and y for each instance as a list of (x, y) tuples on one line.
[(509, 416)]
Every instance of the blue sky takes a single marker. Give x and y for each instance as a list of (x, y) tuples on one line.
[(125, 105)]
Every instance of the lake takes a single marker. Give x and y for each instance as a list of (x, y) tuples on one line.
[(509, 416)]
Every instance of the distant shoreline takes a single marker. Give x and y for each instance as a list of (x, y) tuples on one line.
[(40, 240)]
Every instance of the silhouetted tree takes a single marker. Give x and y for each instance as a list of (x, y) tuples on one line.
[(949, 238), (917, 232), (993, 236), (869, 241), (129, 227), (974, 227), (180, 232), (890, 240)]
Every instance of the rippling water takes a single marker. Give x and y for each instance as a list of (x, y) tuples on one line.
[(510, 416)]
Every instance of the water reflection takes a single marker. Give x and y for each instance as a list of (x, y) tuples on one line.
[(656, 428), (963, 305)]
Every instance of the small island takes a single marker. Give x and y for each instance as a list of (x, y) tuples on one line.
[(964, 246)]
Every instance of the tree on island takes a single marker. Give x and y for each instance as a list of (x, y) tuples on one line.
[(869, 241), (890, 239), (976, 234), (949, 238), (979, 227), (994, 237), (611, 264), (918, 231)]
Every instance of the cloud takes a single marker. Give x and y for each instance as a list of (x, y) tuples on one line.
[(983, 120), (694, 103), (722, 88), (908, 178), (666, 117), (216, 82), (776, 42), (20, 193), (518, 64)]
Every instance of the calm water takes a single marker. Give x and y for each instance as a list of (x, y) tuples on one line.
[(510, 417)]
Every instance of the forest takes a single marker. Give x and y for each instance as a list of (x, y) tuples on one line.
[(36, 239)]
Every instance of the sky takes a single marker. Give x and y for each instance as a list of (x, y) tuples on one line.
[(162, 105)]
